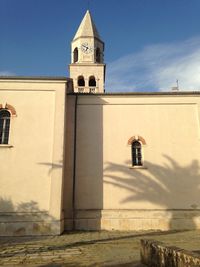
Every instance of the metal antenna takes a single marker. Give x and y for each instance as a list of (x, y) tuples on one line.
[(175, 88)]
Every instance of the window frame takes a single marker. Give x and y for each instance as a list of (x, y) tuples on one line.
[(75, 55), (141, 141), (81, 81), (5, 126), (136, 153), (92, 81), (12, 113), (98, 55)]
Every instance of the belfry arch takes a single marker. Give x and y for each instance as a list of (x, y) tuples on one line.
[(75, 55), (81, 81), (92, 81)]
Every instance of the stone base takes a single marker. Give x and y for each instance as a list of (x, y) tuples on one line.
[(154, 253), (135, 220), (29, 224)]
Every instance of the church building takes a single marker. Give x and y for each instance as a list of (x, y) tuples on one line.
[(75, 157)]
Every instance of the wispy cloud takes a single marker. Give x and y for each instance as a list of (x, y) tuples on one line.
[(7, 73), (157, 67)]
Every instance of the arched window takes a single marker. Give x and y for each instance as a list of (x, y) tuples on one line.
[(136, 153), (98, 55), (81, 81), (4, 126), (75, 55), (92, 81)]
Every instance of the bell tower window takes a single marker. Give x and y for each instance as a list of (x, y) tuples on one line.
[(98, 55), (81, 81), (75, 55), (92, 81)]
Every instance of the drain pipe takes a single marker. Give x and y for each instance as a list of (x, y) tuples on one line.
[(74, 167)]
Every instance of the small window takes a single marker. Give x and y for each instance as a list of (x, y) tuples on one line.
[(136, 154), (98, 55), (75, 55), (81, 81), (4, 126), (92, 81)]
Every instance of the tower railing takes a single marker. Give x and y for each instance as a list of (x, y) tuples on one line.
[(86, 89)]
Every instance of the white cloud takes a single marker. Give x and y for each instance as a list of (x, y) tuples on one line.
[(7, 73), (157, 67)]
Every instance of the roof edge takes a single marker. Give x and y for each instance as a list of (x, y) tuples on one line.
[(57, 78), (139, 93)]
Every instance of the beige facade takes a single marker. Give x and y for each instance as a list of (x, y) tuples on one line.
[(89, 160), (31, 173), (112, 194)]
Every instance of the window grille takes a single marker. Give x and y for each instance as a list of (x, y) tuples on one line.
[(4, 126), (136, 154)]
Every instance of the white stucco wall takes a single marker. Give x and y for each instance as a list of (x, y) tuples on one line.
[(31, 173), (163, 193)]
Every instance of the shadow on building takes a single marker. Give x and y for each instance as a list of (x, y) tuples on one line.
[(173, 190), (83, 183)]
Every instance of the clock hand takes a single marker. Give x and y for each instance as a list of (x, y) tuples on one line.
[(84, 46)]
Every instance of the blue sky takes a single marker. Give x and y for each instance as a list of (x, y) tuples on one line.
[(148, 43)]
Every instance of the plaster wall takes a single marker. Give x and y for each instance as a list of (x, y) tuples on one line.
[(32, 163), (110, 193), (87, 58), (88, 70), (68, 198)]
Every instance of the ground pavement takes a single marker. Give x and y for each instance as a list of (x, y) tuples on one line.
[(92, 249)]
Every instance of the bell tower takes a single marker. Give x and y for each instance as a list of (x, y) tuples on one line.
[(87, 68)]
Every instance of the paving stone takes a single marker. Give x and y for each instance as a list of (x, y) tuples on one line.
[(77, 249)]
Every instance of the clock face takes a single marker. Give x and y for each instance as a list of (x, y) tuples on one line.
[(86, 48)]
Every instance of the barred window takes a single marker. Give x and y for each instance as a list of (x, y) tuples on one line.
[(4, 126), (136, 154)]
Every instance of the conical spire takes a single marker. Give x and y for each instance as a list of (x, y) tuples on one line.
[(87, 28)]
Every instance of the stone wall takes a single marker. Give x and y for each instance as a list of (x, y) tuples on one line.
[(156, 254)]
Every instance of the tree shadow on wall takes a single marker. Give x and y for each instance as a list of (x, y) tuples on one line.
[(15, 216), (6, 205), (170, 186), (52, 166)]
